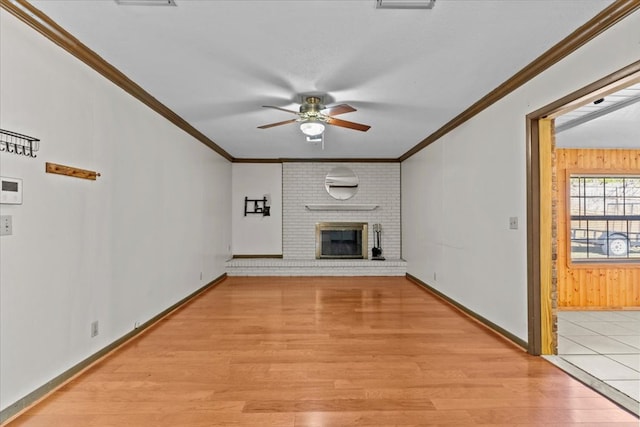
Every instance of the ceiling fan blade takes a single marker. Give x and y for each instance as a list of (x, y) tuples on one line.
[(277, 124), (338, 109), (345, 124), (281, 109)]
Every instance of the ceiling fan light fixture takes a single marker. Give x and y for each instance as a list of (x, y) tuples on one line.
[(312, 128)]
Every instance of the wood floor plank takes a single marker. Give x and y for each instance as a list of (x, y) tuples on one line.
[(386, 418), (321, 352), (337, 405)]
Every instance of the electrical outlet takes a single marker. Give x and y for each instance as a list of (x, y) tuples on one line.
[(94, 329)]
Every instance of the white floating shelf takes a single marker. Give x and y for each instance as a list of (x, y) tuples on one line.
[(340, 207)]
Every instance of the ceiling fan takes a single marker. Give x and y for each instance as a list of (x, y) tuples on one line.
[(313, 115)]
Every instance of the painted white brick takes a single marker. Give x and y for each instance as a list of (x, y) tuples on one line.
[(303, 184), (314, 267)]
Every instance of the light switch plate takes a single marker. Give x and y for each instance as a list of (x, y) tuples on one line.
[(513, 223), (6, 227)]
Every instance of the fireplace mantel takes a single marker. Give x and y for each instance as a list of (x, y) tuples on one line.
[(341, 207)]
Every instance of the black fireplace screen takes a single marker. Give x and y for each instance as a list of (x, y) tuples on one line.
[(343, 243)]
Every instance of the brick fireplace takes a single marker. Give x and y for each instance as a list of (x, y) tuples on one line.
[(303, 185)]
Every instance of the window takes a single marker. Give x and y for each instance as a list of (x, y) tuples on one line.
[(604, 213)]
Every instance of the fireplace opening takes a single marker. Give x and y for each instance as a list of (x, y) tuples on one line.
[(341, 240)]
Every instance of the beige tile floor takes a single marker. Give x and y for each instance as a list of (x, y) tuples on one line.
[(605, 345)]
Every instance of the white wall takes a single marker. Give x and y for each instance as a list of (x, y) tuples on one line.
[(118, 250), (303, 184), (459, 192), (256, 234)]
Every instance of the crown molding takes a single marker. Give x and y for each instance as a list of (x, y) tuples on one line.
[(37, 20), (608, 17), (317, 160)]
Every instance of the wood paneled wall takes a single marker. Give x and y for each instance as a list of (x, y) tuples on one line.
[(613, 286)]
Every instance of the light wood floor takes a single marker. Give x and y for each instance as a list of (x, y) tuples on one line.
[(322, 352)]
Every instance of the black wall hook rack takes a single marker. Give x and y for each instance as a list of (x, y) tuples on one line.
[(17, 143), (259, 206)]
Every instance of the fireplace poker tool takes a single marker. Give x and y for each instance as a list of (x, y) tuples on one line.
[(376, 251)]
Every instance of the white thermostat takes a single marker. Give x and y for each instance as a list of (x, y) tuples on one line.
[(11, 191)]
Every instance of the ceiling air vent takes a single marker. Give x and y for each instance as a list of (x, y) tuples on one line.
[(405, 4), (146, 2)]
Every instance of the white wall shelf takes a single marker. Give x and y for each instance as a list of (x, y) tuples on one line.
[(341, 207)]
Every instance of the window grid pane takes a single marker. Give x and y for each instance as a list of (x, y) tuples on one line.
[(605, 218)]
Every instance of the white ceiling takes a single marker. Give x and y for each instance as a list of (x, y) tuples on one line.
[(407, 72), (614, 122), (620, 129)]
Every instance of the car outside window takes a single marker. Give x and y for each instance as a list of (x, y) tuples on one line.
[(604, 216)]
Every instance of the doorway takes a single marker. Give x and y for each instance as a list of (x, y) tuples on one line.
[(546, 217)]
